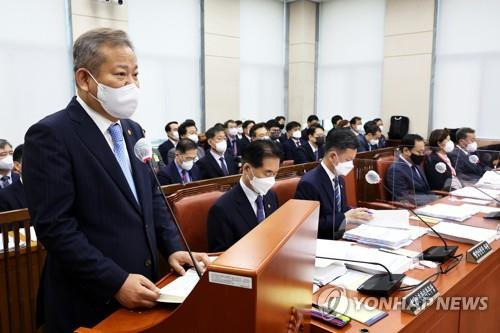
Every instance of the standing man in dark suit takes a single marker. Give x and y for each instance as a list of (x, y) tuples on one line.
[(313, 149), (232, 138), (467, 164), (94, 206), (12, 197), (182, 170), (370, 139), (218, 161), (325, 184), (293, 141), (312, 120), (7, 177), (171, 142), (249, 202), (405, 178), (245, 137)]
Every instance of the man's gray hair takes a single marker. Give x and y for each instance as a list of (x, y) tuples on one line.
[(86, 50)]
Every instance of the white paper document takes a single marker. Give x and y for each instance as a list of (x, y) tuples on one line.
[(449, 212), (392, 218), (379, 236), (490, 179), (471, 192), (464, 233), (177, 290)]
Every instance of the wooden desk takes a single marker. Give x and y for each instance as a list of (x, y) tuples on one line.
[(464, 280)]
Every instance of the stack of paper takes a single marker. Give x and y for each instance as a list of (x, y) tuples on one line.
[(471, 192), (339, 250), (464, 233), (393, 218), (380, 237), (325, 270), (177, 290), (449, 212), (490, 179)]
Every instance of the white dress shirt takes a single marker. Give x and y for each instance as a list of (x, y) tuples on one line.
[(217, 158), (251, 196)]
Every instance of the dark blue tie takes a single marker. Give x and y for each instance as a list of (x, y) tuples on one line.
[(316, 155), (261, 215), (223, 166), (338, 198)]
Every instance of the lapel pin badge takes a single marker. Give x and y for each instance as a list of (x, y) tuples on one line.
[(129, 132), (268, 205)]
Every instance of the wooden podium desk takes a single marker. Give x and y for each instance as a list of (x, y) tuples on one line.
[(466, 279), (269, 272)]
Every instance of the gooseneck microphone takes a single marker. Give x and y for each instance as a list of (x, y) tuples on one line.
[(486, 194), (379, 284), (433, 253), (144, 152)]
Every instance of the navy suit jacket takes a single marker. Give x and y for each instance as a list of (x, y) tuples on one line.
[(364, 145), (164, 148), (243, 144), (466, 170), (305, 154), (290, 149), (437, 181), (12, 197), (170, 174), (87, 218), (232, 217), (316, 185), (209, 167), (405, 184)]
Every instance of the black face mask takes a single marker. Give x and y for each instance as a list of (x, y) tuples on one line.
[(320, 140), (281, 126), (417, 159), (274, 136)]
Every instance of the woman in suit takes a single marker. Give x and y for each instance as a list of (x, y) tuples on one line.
[(440, 172)]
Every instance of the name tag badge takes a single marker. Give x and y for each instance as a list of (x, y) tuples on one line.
[(419, 299), (478, 252)]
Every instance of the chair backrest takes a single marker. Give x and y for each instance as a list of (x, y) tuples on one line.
[(285, 189), (21, 262), (287, 163), (350, 188), (382, 164), (191, 210)]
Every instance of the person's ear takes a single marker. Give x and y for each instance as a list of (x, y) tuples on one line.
[(83, 79)]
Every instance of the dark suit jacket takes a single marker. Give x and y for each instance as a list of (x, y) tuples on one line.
[(12, 197), (209, 167), (164, 148), (437, 181), (316, 185), (86, 216), (232, 217), (405, 185), (243, 144), (170, 175), (381, 142), (364, 145), (466, 170), (305, 154), (290, 149)]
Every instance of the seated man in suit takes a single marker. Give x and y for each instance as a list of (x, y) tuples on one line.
[(232, 138), (293, 142), (12, 197), (313, 149), (370, 140), (249, 202), (335, 123), (469, 169), (259, 131), (381, 140), (95, 207), (356, 125), (7, 177), (312, 120), (171, 142), (281, 124), (187, 130), (239, 129), (245, 137), (325, 184), (405, 178), (182, 170), (219, 161)]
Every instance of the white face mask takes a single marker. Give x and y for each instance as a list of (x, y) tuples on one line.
[(175, 136), (232, 131), (262, 185), (472, 147), (381, 128), (187, 165), (240, 130), (265, 138), (374, 142), (297, 135), (449, 146), (7, 163), (119, 103), (221, 147), (360, 128), (342, 169), (193, 137)]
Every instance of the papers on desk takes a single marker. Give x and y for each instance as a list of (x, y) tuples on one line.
[(338, 249), (326, 271), (482, 209), (471, 192), (449, 212), (392, 218), (464, 233), (490, 179), (384, 237)]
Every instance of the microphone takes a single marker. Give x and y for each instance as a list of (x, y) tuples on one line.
[(379, 284), (486, 193), (433, 253), (144, 152), (440, 167)]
